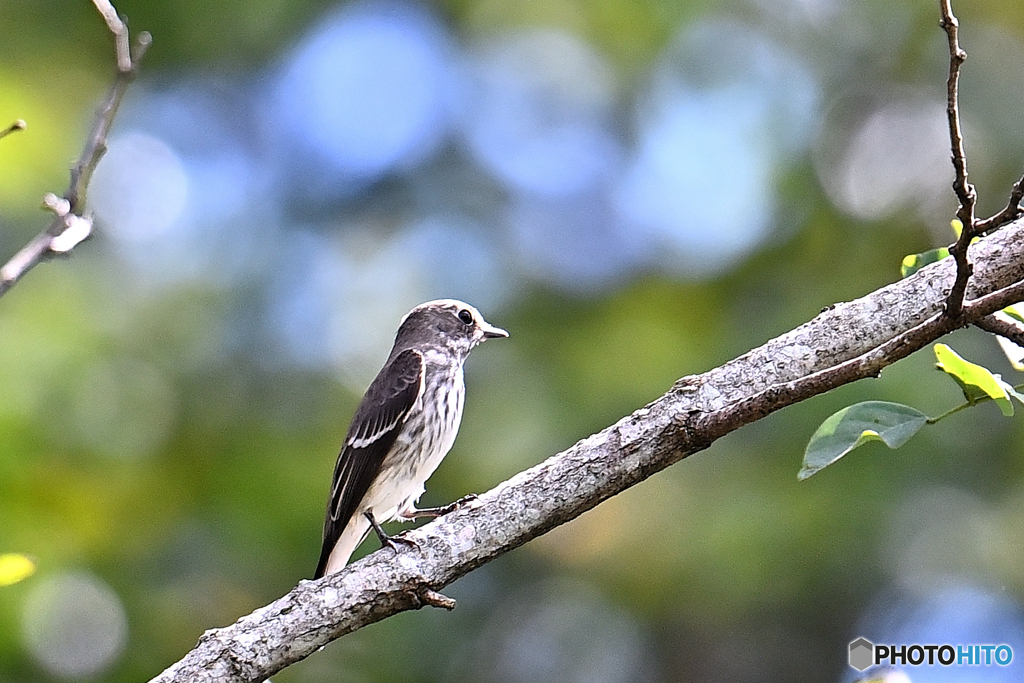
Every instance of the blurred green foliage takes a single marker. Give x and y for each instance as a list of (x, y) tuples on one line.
[(153, 441)]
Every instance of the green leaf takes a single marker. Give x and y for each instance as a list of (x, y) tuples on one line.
[(15, 567), (975, 381), (891, 423), (915, 262)]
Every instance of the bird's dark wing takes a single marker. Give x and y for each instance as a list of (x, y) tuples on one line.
[(374, 429)]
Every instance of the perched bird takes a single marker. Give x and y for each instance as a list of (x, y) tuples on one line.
[(403, 428)]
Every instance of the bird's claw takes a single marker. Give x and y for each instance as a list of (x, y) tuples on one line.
[(445, 509), (394, 541), (461, 503)]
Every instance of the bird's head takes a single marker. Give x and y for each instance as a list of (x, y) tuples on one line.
[(449, 322)]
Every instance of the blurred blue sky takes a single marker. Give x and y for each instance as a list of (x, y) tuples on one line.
[(511, 157)]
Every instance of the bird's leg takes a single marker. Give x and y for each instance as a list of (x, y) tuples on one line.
[(415, 513), (385, 540)]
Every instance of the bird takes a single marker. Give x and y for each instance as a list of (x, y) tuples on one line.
[(404, 426)]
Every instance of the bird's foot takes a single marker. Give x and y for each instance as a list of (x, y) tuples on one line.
[(394, 541), (390, 541)]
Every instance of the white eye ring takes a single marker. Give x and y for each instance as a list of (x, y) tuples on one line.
[(466, 316)]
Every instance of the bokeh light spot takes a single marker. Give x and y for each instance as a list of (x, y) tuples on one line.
[(367, 91), (139, 189), (538, 113), (727, 109), (74, 625), (897, 158)]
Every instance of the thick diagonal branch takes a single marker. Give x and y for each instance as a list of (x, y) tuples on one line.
[(846, 342)]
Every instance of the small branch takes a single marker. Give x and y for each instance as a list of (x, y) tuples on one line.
[(68, 228), (120, 31), (13, 128), (1008, 214), (96, 144), (1004, 326), (964, 190), (435, 599)]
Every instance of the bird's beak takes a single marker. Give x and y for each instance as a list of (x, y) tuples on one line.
[(490, 331)]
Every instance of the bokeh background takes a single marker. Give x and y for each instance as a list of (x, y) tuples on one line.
[(636, 190)]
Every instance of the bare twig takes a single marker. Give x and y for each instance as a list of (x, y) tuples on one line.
[(120, 31), (96, 145), (434, 599), (846, 342), (965, 192), (1009, 213), (13, 128), (53, 240)]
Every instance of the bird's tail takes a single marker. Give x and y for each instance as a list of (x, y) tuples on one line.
[(333, 558)]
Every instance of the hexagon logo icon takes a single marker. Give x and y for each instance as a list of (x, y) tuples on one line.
[(862, 654)]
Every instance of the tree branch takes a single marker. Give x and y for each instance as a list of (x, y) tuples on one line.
[(13, 128), (1003, 325), (68, 227), (1009, 213), (120, 31), (846, 342), (965, 192)]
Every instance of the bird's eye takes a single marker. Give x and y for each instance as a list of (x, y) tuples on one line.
[(466, 317)]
